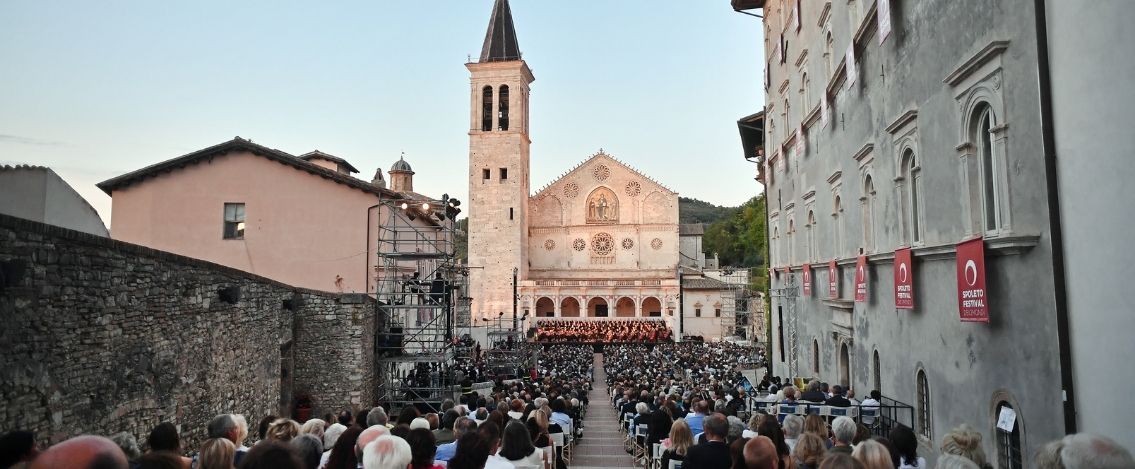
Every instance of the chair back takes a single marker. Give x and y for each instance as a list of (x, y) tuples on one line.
[(809, 410), (557, 439), (675, 464), (641, 430), (658, 451)]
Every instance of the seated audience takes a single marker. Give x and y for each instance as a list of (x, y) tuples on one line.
[(907, 446), (387, 452), (1084, 451), (714, 453)]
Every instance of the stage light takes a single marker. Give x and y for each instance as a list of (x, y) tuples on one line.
[(425, 206), (405, 206)]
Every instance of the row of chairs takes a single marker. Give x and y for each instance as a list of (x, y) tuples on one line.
[(866, 415), (635, 442)]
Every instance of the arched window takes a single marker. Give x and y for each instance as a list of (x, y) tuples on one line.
[(816, 357), (791, 257), (787, 125), (876, 372), (844, 365), (1008, 442), (837, 209), (487, 108), (829, 56), (911, 197), (775, 246), (923, 403), (502, 118), (990, 203), (812, 237), (868, 202)]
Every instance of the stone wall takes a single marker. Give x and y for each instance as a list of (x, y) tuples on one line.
[(101, 336)]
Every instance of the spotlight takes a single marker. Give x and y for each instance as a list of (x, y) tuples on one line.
[(405, 206), (426, 206)]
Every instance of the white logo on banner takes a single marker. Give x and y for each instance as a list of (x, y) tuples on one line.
[(902, 272), (971, 266)]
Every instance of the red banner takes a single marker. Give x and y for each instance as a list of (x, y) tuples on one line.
[(807, 280), (973, 305), (904, 280), (833, 280), (861, 279)]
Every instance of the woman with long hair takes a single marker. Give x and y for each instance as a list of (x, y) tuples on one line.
[(517, 447), (809, 451), (216, 453), (343, 453), (423, 447), (907, 445), (770, 429), (681, 439), (873, 455), (815, 424), (472, 452)]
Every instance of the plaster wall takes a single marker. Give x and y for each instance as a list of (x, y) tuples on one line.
[(301, 229), (922, 67), (1091, 102), (38, 194)]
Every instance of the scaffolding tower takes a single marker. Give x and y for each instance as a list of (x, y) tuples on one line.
[(738, 303), (418, 286), (509, 355)]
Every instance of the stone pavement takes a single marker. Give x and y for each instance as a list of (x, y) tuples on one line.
[(602, 443)]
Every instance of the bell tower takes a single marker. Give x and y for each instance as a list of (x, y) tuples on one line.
[(498, 168)]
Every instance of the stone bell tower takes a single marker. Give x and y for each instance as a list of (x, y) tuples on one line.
[(498, 168)]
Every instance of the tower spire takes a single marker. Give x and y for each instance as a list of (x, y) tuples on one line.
[(500, 39)]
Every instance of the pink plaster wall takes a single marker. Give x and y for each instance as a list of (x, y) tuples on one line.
[(301, 229)]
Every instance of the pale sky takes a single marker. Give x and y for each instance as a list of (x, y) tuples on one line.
[(97, 89)]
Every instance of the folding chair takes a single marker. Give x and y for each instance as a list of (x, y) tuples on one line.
[(675, 464), (638, 442), (656, 457)]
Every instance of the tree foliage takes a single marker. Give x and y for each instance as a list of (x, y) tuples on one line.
[(740, 241)]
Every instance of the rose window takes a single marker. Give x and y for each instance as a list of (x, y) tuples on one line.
[(549, 244), (571, 190), (579, 244), (628, 243), (602, 244), (601, 172), (633, 188), (656, 244)]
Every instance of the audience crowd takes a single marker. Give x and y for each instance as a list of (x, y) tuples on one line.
[(605, 332)]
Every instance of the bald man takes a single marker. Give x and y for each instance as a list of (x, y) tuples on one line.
[(82, 452), (760, 453), (367, 436)]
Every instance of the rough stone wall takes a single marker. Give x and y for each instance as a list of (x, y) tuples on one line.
[(334, 352), (101, 336)]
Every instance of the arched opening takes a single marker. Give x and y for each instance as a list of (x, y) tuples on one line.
[(837, 227), (624, 308), (991, 207), (597, 307), (829, 55), (1008, 441), (502, 118), (816, 357), (922, 388), (791, 257), (775, 247), (805, 95), (844, 365), (652, 307), (569, 307), (876, 372), (487, 108), (868, 201), (910, 173), (545, 307), (812, 255)]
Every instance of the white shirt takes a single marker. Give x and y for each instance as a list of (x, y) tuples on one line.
[(904, 465), (497, 462), (534, 460)]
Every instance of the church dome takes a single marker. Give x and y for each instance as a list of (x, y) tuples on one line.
[(401, 165)]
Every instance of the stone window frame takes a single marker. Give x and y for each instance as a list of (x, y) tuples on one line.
[(923, 404), (836, 184), (978, 82), (876, 371), (905, 140), (1004, 396), (815, 356)]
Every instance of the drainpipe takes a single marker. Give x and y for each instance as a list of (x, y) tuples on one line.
[(1060, 286)]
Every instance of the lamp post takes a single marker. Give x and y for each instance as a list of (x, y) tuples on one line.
[(515, 298)]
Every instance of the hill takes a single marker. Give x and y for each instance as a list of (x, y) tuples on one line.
[(697, 211)]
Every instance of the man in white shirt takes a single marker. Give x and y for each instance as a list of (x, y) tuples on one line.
[(871, 402)]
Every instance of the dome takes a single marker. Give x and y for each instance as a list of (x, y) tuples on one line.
[(401, 165)]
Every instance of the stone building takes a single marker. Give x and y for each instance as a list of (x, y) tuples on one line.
[(36, 193), (600, 241), (898, 129)]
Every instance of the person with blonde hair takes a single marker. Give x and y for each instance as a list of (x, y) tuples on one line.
[(314, 427), (814, 424), (283, 430), (809, 451), (873, 455), (216, 453), (681, 440), (954, 461), (966, 442)]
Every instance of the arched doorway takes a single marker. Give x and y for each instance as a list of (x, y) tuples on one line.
[(844, 366), (651, 307), (624, 308), (545, 307), (597, 307), (569, 307)]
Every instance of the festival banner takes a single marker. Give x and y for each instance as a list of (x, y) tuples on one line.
[(904, 279), (883, 8), (861, 279), (807, 279), (973, 303), (849, 65), (833, 280)]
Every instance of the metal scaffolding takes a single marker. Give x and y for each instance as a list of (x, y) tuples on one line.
[(738, 305), (418, 288), (786, 298)]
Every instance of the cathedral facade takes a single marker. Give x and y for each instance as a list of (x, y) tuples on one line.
[(600, 241)]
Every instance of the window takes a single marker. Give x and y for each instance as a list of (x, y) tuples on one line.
[(787, 125), (502, 118), (812, 255), (829, 56), (486, 174), (504, 174), (923, 404), (791, 257), (837, 209), (877, 373), (816, 357), (780, 330), (510, 213), (805, 95), (775, 246), (912, 226), (1008, 442), (234, 221), (868, 202), (717, 312), (487, 108), (991, 207), (697, 312)]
